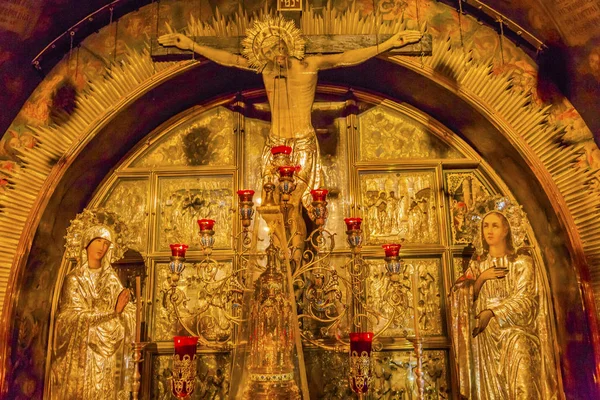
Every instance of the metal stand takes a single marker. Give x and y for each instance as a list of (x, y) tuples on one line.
[(418, 345), (137, 348)]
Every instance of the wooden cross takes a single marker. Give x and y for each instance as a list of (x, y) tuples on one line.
[(315, 44)]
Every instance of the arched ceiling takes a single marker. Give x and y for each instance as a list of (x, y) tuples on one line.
[(101, 148), (482, 130), (27, 27)]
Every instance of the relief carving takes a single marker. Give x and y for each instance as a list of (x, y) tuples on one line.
[(185, 200), (400, 206)]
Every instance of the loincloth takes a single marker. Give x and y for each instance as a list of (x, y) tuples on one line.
[(305, 153)]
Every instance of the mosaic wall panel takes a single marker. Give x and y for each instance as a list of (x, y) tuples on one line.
[(464, 188), (390, 135), (393, 300), (207, 139), (198, 306), (129, 199), (213, 377), (184, 200), (393, 375), (399, 205)]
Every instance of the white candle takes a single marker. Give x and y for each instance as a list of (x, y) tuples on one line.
[(415, 285), (138, 309)]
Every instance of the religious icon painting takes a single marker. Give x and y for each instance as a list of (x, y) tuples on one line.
[(464, 188), (399, 205)]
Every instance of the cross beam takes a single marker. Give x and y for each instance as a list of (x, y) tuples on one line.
[(315, 44)]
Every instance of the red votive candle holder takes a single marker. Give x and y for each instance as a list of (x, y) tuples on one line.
[(245, 195), (361, 341), (287, 150), (184, 366), (287, 171), (185, 345), (319, 194), (361, 345), (391, 250), (178, 249), (353, 224), (206, 224)]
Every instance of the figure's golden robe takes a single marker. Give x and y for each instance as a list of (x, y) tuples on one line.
[(305, 154), (91, 339), (512, 358)]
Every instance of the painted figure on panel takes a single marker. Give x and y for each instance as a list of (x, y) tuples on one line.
[(95, 321), (500, 316), (274, 47)]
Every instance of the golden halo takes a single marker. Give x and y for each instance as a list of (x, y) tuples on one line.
[(265, 33), (98, 217), (512, 211)]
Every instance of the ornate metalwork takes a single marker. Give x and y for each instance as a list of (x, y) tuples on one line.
[(464, 190), (206, 139), (319, 295), (399, 205), (199, 301), (207, 301), (185, 200), (394, 375), (129, 199), (183, 375), (387, 135), (391, 298), (212, 378)]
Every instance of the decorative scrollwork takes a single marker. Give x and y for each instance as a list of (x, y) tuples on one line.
[(217, 291)]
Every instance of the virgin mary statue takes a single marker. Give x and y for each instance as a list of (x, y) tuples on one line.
[(501, 323), (94, 321)]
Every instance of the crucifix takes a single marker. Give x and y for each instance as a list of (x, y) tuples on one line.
[(289, 63)]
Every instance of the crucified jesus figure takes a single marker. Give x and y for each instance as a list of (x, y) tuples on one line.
[(275, 49)]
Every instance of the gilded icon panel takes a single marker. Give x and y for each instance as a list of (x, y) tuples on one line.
[(399, 205), (213, 377), (392, 298), (394, 375), (200, 303), (334, 177), (255, 135), (327, 374), (387, 134), (464, 188), (184, 200), (206, 139), (128, 198)]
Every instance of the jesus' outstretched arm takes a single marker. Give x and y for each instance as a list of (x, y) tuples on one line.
[(357, 56), (222, 57)]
